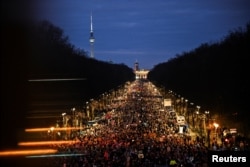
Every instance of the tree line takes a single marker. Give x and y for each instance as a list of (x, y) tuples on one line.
[(213, 75), (37, 50), (54, 56)]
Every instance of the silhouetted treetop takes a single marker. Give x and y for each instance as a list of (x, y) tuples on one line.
[(213, 75), (53, 56), (210, 71)]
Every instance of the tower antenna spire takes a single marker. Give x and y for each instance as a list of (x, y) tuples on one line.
[(91, 23), (91, 38)]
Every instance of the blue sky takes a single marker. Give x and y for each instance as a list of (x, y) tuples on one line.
[(147, 31)]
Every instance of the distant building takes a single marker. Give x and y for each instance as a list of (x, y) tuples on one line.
[(136, 66), (140, 73)]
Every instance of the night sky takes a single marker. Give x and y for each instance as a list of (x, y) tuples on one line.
[(126, 31), (146, 31)]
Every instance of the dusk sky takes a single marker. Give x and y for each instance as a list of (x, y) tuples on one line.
[(147, 31)]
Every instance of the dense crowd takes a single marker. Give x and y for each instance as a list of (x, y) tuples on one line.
[(138, 135), (128, 148)]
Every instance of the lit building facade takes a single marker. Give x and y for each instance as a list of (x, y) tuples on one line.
[(140, 73)]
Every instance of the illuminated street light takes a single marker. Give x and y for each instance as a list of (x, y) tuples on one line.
[(192, 111), (51, 132), (207, 116), (197, 116), (73, 116), (216, 126), (52, 129), (64, 119), (198, 108)]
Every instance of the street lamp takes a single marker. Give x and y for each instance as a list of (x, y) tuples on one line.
[(73, 116), (64, 121), (198, 108), (207, 116), (192, 108), (216, 126), (52, 129), (87, 109), (51, 132), (186, 106), (182, 106), (197, 116)]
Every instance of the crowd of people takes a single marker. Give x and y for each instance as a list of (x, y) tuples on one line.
[(137, 135), (129, 148)]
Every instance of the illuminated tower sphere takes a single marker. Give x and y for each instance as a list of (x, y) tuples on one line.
[(91, 38)]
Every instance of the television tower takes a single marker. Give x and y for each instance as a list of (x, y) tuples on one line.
[(91, 38)]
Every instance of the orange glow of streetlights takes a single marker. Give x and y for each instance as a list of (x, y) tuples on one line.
[(44, 143), (8, 153), (216, 125), (51, 129)]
